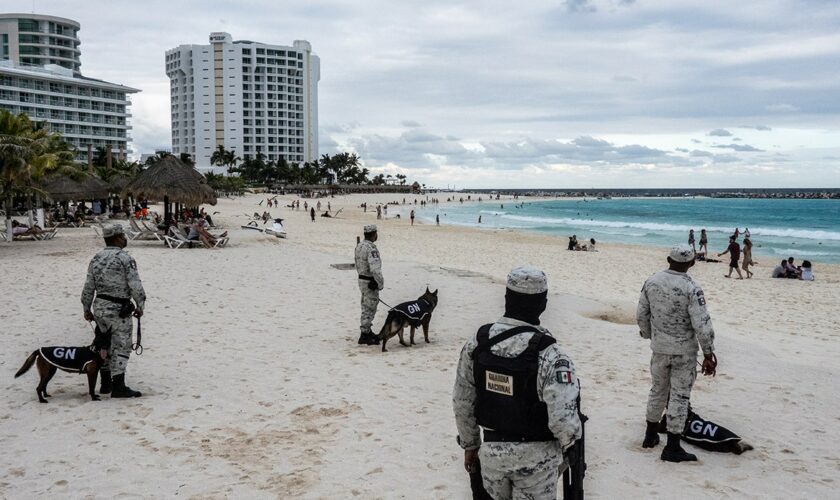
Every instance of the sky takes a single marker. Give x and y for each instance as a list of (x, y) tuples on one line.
[(534, 94)]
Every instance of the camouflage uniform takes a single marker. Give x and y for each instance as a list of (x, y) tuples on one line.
[(672, 314), (368, 263), (528, 470), (113, 272)]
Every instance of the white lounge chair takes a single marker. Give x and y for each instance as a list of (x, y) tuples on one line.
[(141, 233), (277, 229), (179, 239)]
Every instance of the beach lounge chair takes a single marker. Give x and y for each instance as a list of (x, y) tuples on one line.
[(179, 239), (141, 233), (276, 229)]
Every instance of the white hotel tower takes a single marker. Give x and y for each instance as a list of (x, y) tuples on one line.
[(246, 96), (40, 75)]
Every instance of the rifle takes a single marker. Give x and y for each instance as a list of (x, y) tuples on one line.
[(476, 484), (576, 460)]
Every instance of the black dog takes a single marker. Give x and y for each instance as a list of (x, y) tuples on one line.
[(86, 359), (414, 313)]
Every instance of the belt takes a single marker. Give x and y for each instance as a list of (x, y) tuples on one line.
[(503, 437), (116, 300), (366, 278)]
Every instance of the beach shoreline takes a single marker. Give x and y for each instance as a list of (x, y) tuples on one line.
[(254, 384)]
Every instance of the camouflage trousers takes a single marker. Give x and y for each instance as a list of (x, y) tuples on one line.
[(526, 471), (370, 299), (106, 315), (673, 376)]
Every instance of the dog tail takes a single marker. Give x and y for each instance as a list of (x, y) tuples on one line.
[(27, 364), (383, 333)]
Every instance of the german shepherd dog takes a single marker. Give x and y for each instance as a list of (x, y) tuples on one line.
[(413, 313), (88, 359)]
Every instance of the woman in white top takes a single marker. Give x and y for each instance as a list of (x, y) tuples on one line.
[(807, 273)]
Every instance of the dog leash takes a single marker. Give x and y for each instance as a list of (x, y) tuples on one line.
[(138, 349), (386, 305)]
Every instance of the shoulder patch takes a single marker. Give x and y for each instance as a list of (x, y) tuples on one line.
[(564, 377), (701, 299), (374, 254), (561, 363)]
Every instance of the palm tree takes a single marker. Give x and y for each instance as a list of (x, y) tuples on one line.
[(224, 158), (27, 154)]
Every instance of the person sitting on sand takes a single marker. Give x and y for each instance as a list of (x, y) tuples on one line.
[(572, 242), (807, 274), (779, 271), (19, 229), (326, 214), (791, 270)]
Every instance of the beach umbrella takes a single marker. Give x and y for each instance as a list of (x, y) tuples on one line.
[(63, 188), (173, 182)]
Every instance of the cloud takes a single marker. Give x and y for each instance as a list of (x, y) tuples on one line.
[(410, 124), (743, 148), (697, 153), (719, 132), (579, 6), (781, 108), (760, 128)]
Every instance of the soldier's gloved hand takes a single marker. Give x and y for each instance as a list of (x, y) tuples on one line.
[(372, 285), (88, 316), (138, 312), (709, 364)]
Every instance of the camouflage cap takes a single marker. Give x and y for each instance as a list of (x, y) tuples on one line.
[(529, 280), (682, 253), (370, 228), (111, 230)]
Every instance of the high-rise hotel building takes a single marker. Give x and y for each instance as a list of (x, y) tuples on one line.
[(40, 75), (249, 97)]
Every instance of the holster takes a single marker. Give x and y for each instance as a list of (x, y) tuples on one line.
[(126, 309)]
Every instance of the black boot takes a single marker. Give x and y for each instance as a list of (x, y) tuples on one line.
[(651, 436), (105, 384), (673, 452), (119, 390), (368, 338)]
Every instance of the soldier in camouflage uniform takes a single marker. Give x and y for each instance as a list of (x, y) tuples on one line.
[(369, 267), (518, 459), (112, 275), (672, 314)]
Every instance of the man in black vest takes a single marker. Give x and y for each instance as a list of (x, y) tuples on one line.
[(516, 383)]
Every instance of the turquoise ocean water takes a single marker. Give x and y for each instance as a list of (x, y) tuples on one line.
[(803, 229)]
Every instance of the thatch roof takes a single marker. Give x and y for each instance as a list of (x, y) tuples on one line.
[(63, 188), (118, 183), (171, 178)]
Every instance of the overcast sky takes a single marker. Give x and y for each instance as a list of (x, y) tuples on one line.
[(575, 93)]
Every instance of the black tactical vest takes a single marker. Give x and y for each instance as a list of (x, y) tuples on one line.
[(506, 388)]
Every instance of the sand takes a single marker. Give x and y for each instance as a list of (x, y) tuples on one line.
[(254, 386)]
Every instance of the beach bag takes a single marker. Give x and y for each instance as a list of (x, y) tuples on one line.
[(707, 434)]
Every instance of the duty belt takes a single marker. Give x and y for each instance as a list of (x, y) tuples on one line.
[(503, 437), (116, 300), (366, 278)]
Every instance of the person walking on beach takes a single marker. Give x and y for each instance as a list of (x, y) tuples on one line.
[(312, 213), (515, 381), (747, 256), (734, 251), (412, 217), (437, 219), (369, 267), (112, 282), (378, 212), (672, 314), (691, 239), (704, 243)]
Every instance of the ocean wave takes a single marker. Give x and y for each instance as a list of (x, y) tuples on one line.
[(799, 252), (810, 234), (493, 212)]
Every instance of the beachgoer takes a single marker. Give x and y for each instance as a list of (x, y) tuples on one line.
[(592, 245), (479, 219), (572, 242), (704, 243), (312, 213), (736, 233), (691, 239), (318, 206), (746, 232), (528, 420), (369, 267), (734, 251), (672, 314), (112, 276), (378, 212), (747, 256), (412, 217), (437, 219), (791, 270), (780, 271), (807, 273)]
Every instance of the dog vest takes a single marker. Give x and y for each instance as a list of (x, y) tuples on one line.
[(73, 359), (506, 388), (708, 435), (415, 311)]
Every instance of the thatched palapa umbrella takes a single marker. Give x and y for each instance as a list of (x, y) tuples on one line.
[(63, 188), (171, 181)]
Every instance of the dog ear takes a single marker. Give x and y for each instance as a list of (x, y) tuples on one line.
[(427, 289), (435, 293)]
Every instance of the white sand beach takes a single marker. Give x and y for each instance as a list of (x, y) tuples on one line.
[(254, 387)]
